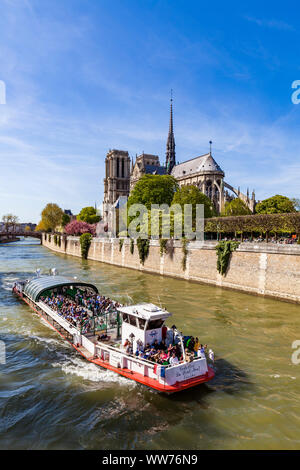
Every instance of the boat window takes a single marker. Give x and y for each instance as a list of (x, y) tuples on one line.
[(155, 324), (132, 320), (125, 318), (141, 323)]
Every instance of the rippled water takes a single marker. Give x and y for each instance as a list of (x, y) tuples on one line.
[(51, 398)]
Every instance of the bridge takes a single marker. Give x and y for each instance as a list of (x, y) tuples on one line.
[(10, 236)]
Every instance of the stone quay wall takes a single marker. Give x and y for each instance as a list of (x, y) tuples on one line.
[(262, 269)]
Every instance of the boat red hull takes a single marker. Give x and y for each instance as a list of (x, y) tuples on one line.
[(129, 374)]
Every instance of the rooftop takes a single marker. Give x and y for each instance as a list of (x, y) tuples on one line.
[(155, 170), (35, 287), (202, 164), (146, 311)]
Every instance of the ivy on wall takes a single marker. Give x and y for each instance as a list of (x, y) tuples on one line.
[(224, 250), (85, 243), (143, 247), (121, 241), (49, 238), (163, 246), (184, 252), (132, 246)]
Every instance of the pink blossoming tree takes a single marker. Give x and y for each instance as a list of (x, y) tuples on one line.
[(77, 227)]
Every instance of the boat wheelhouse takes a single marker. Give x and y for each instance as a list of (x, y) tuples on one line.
[(143, 323), (101, 334)]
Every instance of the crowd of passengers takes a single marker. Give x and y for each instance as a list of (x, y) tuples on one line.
[(84, 312), (165, 355)]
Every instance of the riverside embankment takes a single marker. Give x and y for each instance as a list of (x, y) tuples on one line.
[(262, 269)]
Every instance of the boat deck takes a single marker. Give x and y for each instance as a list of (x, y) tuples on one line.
[(113, 340)]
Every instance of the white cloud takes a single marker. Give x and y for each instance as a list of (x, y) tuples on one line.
[(271, 23)]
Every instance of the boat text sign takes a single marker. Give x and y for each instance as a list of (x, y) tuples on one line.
[(186, 371)]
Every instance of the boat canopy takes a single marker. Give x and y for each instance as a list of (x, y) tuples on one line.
[(35, 287)]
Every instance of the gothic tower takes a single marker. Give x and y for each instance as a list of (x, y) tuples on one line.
[(117, 177), (170, 153)]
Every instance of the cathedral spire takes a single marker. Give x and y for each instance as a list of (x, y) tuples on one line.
[(170, 153)]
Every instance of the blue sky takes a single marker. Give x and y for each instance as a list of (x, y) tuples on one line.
[(85, 76)]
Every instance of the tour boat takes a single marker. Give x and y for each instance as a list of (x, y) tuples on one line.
[(103, 343)]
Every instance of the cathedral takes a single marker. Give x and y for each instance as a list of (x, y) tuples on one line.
[(122, 173)]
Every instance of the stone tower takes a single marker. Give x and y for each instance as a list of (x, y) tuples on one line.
[(117, 177), (170, 153)]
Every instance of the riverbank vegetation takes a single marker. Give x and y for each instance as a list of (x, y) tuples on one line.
[(85, 243), (264, 224), (224, 250)]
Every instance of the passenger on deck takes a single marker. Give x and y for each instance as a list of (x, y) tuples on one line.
[(173, 359), (201, 351), (82, 306), (190, 344), (189, 355), (129, 349)]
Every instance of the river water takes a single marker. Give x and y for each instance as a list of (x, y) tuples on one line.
[(51, 398)]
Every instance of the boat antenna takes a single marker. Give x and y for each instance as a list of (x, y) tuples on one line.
[(160, 304), (129, 297)]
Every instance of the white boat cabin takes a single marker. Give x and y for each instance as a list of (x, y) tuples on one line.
[(143, 322)]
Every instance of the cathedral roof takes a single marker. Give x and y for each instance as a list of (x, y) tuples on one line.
[(202, 164), (155, 170)]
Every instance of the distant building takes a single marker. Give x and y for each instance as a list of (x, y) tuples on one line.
[(70, 214), (30, 227), (202, 171)]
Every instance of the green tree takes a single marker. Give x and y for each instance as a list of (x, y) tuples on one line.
[(153, 189), (52, 216), (236, 207), (275, 205), (65, 220), (193, 195), (89, 215)]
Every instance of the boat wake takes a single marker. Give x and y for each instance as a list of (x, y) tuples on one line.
[(91, 372)]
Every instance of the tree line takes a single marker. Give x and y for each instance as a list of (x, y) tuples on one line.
[(53, 218), (276, 214)]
